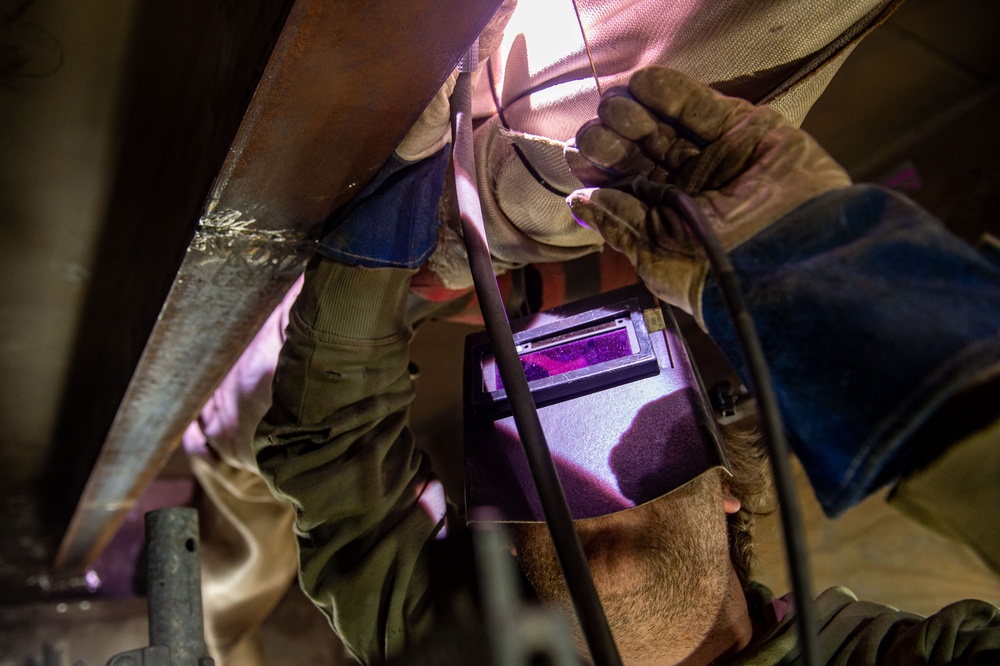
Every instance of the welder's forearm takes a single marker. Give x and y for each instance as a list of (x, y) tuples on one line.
[(872, 317), (336, 445)]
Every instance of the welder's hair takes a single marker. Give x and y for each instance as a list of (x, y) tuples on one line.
[(751, 485)]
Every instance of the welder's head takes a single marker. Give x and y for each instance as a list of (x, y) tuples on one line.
[(662, 500), (660, 569), (623, 410), (664, 570)]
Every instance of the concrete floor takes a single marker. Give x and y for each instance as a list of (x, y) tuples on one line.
[(94, 631), (916, 101)]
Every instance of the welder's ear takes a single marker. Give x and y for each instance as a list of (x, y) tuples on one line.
[(729, 501)]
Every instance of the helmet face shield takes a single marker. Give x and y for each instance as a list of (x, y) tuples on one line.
[(624, 413)]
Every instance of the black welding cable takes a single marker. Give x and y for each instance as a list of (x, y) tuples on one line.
[(568, 550), (763, 389)]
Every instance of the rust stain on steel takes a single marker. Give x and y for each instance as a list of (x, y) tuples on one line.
[(343, 85)]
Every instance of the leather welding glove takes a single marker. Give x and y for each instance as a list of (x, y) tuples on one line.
[(744, 166), (433, 129)]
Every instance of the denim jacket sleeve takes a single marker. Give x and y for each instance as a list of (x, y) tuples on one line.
[(336, 445), (393, 221), (872, 316)]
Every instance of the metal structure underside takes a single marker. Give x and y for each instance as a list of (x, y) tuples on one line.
[(331, 103)]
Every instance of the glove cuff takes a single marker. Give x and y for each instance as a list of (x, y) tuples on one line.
[(353, 302)]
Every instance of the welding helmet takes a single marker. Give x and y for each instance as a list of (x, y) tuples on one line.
[(623, 409)]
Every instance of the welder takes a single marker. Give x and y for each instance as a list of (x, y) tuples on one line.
[(881, 329)]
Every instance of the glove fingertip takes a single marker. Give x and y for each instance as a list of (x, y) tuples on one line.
[(685, 102), (581, 208), (602, 145), (661, 89), (626, 116)]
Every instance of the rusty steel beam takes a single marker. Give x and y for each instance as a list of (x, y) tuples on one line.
[(343, 84)]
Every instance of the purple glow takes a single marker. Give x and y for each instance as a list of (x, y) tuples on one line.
[(573, 356), (93, 580)]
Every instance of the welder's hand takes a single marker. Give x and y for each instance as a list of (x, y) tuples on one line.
[(433, 129), (744, 165)]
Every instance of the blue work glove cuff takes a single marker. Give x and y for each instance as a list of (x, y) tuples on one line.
[(871, 316), (393, 221)]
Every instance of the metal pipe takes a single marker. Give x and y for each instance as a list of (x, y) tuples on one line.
[(174, 594)]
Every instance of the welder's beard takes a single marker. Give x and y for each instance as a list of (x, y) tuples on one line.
[(662, 570)]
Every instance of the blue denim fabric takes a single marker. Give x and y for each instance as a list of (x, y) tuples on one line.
[(393, 221), (871, 316)]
